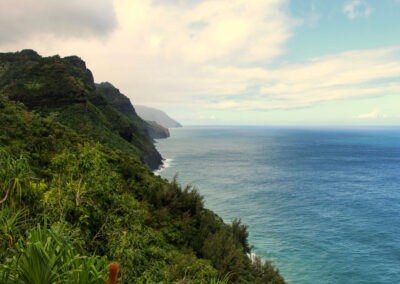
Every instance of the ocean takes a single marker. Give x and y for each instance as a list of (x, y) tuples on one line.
[(322, 204)]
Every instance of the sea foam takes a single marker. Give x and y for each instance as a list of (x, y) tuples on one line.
[(166, 164)]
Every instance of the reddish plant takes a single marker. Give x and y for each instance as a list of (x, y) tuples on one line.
[(113, 273)]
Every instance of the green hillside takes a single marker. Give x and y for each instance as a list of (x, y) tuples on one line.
[(63, 88), (72, 200)]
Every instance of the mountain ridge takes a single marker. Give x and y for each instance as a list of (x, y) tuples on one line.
[(64, 86)]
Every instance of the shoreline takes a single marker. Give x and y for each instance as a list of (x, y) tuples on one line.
[(166, 163)]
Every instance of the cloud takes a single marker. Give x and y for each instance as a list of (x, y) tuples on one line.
[(217, 54), (25, 18), (352, 74), (375, 114), (356, 8), (202, 116), (213, 30), (371, 115)]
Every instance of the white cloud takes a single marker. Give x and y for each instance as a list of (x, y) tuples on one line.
[(202, 116), (371, 115), (353, 74), (375, 114), (228, 28), (357, 8)]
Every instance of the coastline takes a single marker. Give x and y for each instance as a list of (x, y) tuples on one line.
[(166, 163)]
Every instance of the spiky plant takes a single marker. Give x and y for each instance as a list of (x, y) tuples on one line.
[(15, 176), (223, 280), (12, 224), (47, 257)]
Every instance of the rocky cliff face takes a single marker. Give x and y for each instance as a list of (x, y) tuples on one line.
[(64, 88), (78, 62)]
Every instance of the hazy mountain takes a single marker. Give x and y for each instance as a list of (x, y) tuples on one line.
[(153, 114)]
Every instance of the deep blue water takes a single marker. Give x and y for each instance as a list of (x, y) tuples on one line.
[(324, 205)]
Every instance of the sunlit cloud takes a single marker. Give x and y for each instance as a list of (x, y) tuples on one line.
[(213, 30), (354, 74)]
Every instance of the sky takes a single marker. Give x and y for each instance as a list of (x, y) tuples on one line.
[(228, 62)]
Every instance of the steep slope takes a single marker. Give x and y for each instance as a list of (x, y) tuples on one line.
[(64, 89), (122, 103), (78, 204), (160, 117)]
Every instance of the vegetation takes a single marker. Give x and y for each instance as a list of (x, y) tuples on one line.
[(71, 203)]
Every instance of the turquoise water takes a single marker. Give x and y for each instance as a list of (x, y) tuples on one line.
[(324, 205)]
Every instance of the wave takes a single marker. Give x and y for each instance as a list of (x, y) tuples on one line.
[(253, 257), (166, 164)]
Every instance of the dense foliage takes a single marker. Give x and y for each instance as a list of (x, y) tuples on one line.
[(70, 204)]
